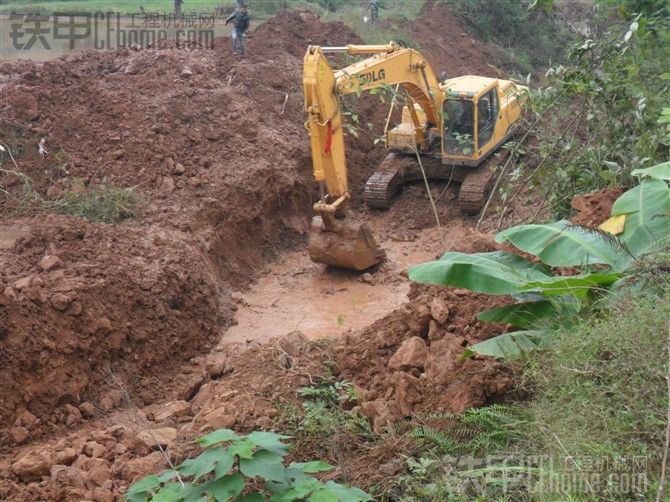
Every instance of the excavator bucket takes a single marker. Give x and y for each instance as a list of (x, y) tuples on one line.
[(347, 246)]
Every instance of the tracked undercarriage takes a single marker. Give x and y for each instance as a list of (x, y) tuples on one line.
[(397, 169)]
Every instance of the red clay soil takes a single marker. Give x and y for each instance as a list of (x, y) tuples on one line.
[(448, 46), (408, 362), (74, 314), (217, 151), (223, 169), (594, 208)]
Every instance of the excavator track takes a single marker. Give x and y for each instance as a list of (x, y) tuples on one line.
[(475, 189), (398, 169), (477, 184), (386, 182)]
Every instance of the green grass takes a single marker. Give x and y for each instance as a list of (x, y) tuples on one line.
[(602, 389), (104, 204), (528, 39), (397, 10), (350, 13)]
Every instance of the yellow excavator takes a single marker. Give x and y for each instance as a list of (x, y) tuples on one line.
[(451, 125)]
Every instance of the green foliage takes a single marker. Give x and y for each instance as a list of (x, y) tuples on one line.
[(331, 392), (473, 431), (231, 464), (604, 112), (647, 211), (322, 415), (658, 172), (603, 259), (561, 244), (496, 273), (438, 474), (511, 345), (664, 120), (601, 391), (528, 36), (521, 315), (107, 204), (602, 387)]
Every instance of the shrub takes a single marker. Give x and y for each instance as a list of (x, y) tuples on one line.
[(229, 468)]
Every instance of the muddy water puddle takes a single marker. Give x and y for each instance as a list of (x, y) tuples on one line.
[(296, 294)]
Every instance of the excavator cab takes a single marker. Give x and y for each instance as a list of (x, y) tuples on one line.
[(480, 113)]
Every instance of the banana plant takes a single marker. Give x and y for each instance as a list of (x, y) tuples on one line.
[(642, 217)]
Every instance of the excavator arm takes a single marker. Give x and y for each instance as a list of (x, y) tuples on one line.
[(330, 241)]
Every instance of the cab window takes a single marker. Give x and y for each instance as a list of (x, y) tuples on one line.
[(459, 126), (487, 112)]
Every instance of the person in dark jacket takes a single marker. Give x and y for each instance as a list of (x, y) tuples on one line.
[(240, 19), (374, 6)]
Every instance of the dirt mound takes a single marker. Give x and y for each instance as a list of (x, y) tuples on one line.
[(594, 208), (72, 312), (410, 361)]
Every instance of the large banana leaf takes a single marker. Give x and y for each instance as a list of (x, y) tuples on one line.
[(495, 273), (521, 315), (659, 172), (575, 285), (647, 210), (562, 244), (512, 344)]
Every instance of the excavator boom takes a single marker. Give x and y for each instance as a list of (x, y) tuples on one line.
[(331, 241)]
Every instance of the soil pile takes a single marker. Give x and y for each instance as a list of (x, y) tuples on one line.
[(411, 361), (74, 317), (594, 208), (448, 46)]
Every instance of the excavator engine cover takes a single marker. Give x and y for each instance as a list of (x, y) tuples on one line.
[(348, 246)]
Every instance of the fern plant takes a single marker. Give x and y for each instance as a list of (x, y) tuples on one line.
[(445, 444), (479, 429)]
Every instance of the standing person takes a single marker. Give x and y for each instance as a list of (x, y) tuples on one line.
[(374, 6), (240, 19)]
